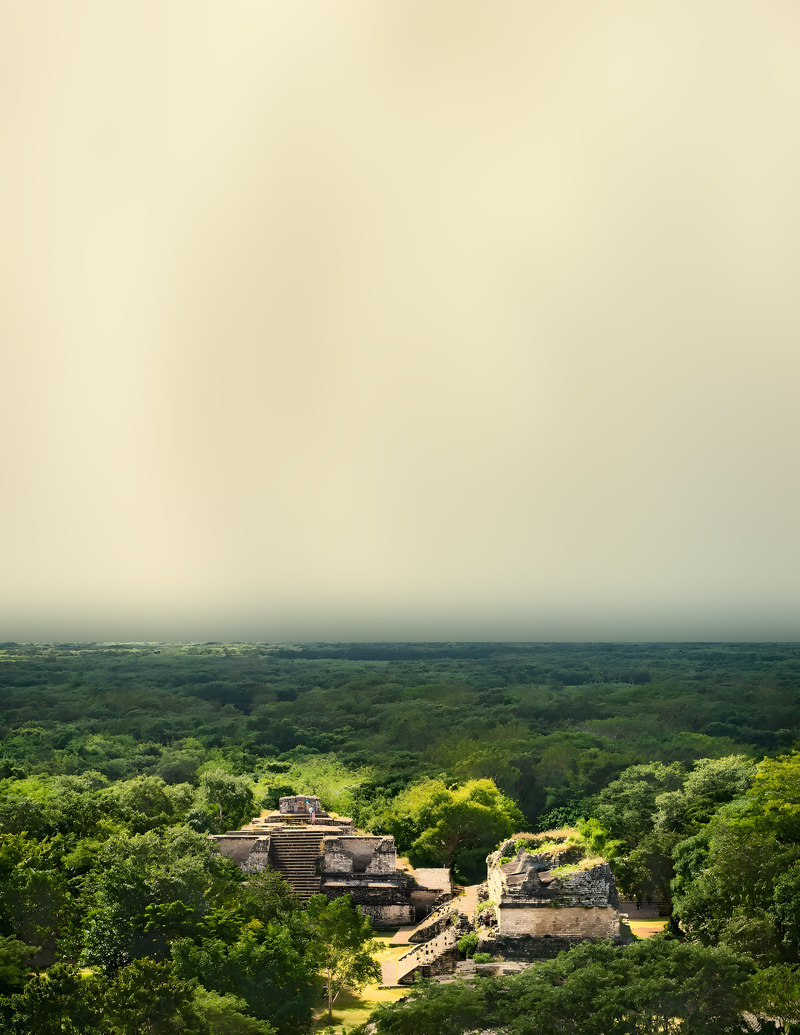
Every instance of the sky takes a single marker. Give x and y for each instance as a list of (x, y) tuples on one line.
[(399, 319)]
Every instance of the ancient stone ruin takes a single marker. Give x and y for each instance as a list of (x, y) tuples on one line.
[(547, 894), (321, 853), (544, 892)]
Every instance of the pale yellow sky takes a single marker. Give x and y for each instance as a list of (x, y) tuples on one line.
[(396, 319)]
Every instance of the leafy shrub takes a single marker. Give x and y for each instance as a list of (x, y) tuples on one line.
[(467, 945)]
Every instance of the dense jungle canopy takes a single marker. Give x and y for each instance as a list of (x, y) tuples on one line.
[(117, 760)]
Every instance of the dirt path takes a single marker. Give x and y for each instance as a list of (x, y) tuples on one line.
[(647, 928), (401, 938), (468, 902)]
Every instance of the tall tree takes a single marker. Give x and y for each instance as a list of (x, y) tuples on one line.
[(147, 890), (345, 945), (228, 800), (436, 823), (147, 998)]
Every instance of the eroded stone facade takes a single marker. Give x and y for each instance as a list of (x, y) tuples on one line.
[(359, 854), (563, 922), (364, 867)]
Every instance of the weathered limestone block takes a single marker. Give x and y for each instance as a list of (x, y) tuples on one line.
[(356, 855), (433, 925), (433, 887), (444, 963), (434, 878), (549, 900), (577, 922), (386, 904), (388, 892), (436, 956), (299, 803), (590, 887), (250, 851), (388, 916), (526, 948)]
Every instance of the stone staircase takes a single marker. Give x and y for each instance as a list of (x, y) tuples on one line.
[(294, 853), (434, 923), (429, 955), (435, 950)]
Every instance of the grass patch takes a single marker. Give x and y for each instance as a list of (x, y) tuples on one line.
[(570, 868), (647, 928), (351, 1010)]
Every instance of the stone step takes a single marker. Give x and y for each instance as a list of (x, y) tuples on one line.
[(301, 842), (424, 955), (294, 854)]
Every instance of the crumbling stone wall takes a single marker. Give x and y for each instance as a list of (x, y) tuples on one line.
[(432, 926), (528, 877), (387, 916), (382, 892), (527, 948), (432, 889), (444, 963), (386, 903)]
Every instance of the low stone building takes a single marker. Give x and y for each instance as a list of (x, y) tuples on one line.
[(321, 853), (548, 895)]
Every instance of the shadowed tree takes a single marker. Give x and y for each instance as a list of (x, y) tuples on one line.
[(147, 998), (269, 966), (62, 1002)]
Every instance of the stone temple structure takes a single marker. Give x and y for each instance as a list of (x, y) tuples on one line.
[(320, 853), (543, 893), (547, 894)]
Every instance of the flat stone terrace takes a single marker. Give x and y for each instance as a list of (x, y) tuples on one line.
[(332, 824)]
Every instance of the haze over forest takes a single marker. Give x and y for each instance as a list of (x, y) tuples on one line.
[(403, 321)]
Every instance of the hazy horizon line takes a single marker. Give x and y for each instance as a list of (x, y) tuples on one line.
[(423, 643)]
